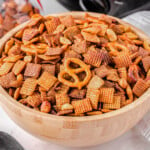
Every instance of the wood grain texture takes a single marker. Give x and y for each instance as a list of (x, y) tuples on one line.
[(75, 131)]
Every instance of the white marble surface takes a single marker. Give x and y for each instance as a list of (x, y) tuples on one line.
[(132, 140)]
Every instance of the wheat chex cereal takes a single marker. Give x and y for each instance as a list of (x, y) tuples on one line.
[(140, 87), (82, 106), (28, 86), (32, 70), (46, 80)]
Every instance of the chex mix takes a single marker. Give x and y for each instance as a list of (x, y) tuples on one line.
[(75, 66)]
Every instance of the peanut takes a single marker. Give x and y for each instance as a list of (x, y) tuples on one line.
[(67, 106)]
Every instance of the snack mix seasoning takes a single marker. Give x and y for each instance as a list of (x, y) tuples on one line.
[(75, 66)]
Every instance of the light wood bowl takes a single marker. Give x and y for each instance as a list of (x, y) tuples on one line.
[(75, 131)]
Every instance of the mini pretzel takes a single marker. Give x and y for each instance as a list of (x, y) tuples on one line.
[(72, 72), (115, 48)]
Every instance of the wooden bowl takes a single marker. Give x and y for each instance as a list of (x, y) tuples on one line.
[(75, 131)]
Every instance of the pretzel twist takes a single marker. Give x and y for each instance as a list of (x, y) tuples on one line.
[(115, 48), (73, 73)]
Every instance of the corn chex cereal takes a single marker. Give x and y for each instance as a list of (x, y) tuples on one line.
[(5, 68), (123, 98), (28, 86), (115, 105), (140, 87), (82, 106), (106, 95), (146, 63), (28, 34), (5, 80), (71, 32), (93, 95), (52, 24), (79, 46), (93, 58), (113, 75), (46, 80), (34, 100), (68, 21), (61, 99), (18, 67), (96, 82), (122, 61)]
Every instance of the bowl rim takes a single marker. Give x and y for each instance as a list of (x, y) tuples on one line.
[(8, 99)]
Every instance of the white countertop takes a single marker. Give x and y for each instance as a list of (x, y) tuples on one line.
[(132, 140)]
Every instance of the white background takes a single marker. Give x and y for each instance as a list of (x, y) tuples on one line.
[(132, 140)]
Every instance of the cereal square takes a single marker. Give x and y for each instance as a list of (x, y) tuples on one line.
[(82, 106), (5, 80), (93, 58), (115, 105), (93, 95), (52, 24), (140, 87), (47, 80), (49, 68), (68, 21), (5, 68), (28, 86), (102, 71), (79, 46), (34, 100), (29, 34), (106, 95), (61, 99), (32, 70), (96, 82), (18, 67), (123, 60), (146, 63)]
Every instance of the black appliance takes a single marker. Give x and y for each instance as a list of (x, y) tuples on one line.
[(118, 8), (7, 142)]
